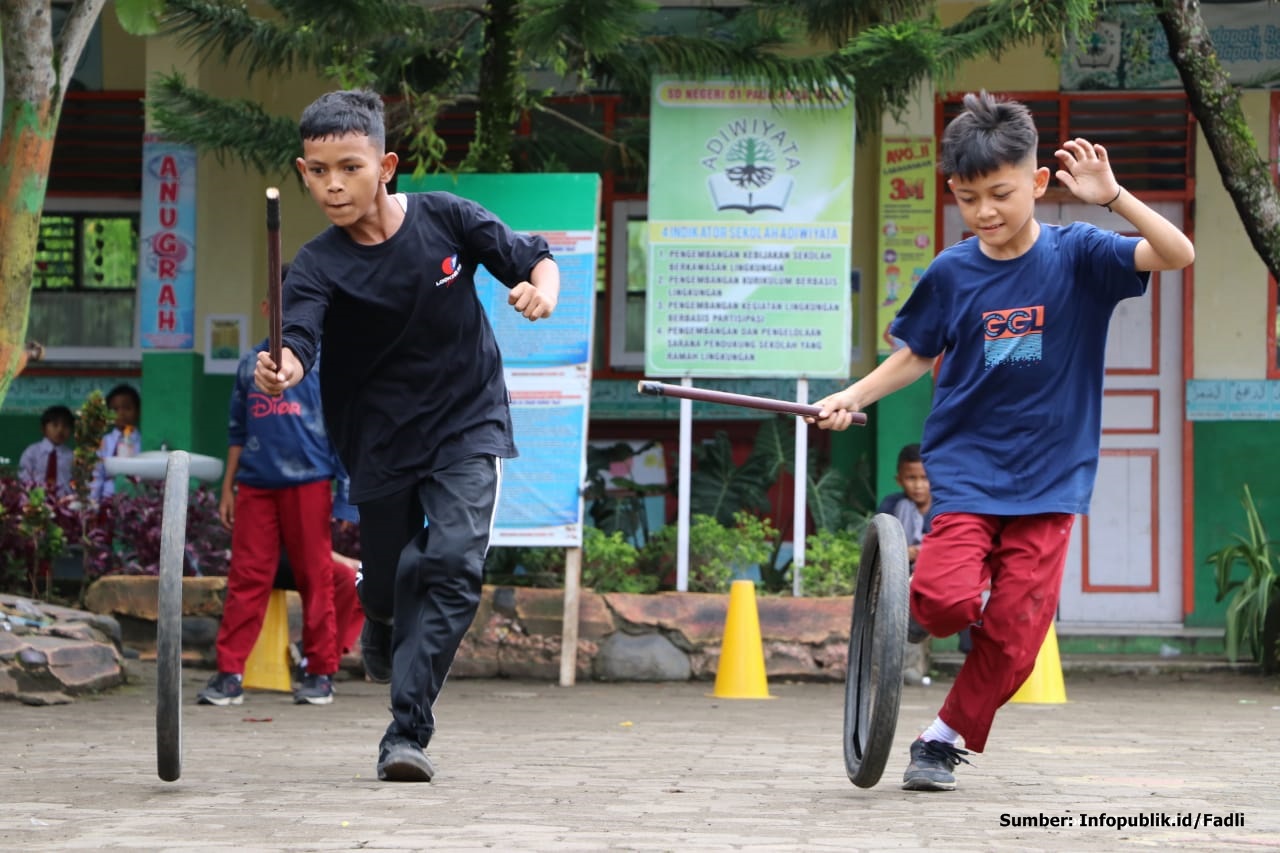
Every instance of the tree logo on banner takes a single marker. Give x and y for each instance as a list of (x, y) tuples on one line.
[(750, 158)]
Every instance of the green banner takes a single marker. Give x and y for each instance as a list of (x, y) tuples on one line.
[(750, 229)]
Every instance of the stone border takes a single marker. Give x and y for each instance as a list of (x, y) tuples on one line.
[(517, 631), (50, 653)]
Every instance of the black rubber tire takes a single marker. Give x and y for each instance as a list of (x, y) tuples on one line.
[(877, 641), (173, 541)]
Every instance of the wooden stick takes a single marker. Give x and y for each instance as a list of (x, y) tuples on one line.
[(275, 296), (706, 395)]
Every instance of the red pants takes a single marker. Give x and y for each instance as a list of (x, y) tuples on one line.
[(298, 516), (348, 614), (1021, 559)]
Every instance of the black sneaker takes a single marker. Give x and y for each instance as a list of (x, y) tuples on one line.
[(375, 650), (931, 765), (402, 760), (314, 690), (916, 633), (223, 688)]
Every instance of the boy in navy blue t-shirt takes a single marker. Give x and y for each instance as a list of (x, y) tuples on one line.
[(1020, 312), (414, 395)]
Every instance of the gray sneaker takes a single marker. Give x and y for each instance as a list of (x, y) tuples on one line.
[(402, 760), (224, 688), (931, 765), (314, 690)]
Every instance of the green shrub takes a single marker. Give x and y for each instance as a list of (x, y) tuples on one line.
[(714, 550), (1253, 611), (609, 564), (830, 563), (537, 567)]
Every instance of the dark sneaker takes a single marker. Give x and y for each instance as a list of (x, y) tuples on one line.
[(375, 650), (314, 690), (916, 633), (931, 765), (402, 760), (222, 689)]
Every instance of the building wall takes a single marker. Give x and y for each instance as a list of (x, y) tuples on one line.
[(1230, 307), (185, 406)]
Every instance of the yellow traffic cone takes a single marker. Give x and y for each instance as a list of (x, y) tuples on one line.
[(740, 673), (1044, 685), (267, 667)]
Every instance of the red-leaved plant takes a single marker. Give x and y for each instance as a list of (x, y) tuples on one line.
[(134, 516)]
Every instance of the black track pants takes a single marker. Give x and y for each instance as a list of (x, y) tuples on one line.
[(426, 581)]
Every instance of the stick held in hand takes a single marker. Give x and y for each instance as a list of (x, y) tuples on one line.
[(706, 395), (274, 283)]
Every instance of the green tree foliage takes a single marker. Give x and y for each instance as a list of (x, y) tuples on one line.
[(491, 54)]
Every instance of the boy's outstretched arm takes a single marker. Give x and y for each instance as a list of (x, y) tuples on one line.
[(537, 297), (1086, 171), (897, 371)]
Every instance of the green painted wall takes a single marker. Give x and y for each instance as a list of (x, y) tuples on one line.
[(1229, 455), (183, 407), (16, 432), (897, 420)]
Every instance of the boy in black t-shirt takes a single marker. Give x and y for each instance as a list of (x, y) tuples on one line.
[(414, 396)]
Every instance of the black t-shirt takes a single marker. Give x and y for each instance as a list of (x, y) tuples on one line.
[(412, 377)]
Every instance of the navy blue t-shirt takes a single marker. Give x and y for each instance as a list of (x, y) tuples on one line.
[(1017, 410), (282, 439), (412, 378)]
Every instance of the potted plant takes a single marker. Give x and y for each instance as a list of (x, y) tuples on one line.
[(1253, 612)]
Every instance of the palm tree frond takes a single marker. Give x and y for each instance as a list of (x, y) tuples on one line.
[(237, 129)]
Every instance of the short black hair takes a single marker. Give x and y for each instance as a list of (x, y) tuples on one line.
[(126, 391), (909, 453), (989, 134), (346, 111), (57, 414)]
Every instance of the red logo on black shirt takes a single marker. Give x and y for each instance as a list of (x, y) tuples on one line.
[(452, 269)]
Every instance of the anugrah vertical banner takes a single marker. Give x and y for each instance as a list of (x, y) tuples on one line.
[(905, 246), (167, 246), (750, 229)]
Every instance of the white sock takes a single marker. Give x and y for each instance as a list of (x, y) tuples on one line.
[(939, 730)]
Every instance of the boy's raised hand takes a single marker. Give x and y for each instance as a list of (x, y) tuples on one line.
[(1086, 171)]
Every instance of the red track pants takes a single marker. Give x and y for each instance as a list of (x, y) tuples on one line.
[(1021, 559), (298, 516)]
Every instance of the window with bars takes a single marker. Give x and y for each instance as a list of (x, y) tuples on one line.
[(84, 286), (1149, 136)]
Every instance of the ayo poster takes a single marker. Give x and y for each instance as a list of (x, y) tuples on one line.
[(905, 245)]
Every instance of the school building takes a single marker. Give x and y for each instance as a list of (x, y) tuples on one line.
[(1193, 379)]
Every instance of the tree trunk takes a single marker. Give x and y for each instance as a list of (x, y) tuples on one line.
[(29, 111), (29, 119), (1216, 105), (499, 77)]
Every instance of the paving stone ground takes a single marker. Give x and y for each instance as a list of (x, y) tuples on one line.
[(645, 767)]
